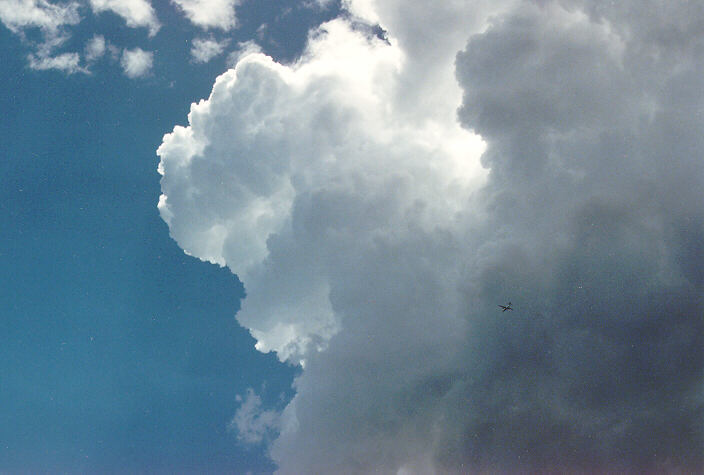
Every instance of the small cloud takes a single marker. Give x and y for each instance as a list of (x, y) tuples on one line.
[(210, 13), (95, 48), (136, 13), (253, 424), (317, 4), (205, 49), (51, 20), (113, 51), (136, 62), (66, 62)]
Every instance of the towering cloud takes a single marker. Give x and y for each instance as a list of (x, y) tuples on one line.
[(346, 192)]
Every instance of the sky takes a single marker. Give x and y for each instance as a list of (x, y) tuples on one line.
[(273, 236)]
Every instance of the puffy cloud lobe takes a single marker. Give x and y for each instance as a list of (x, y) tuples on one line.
[(372, 248), (136, 13), (285, 142), (210, 13), (136, 62)]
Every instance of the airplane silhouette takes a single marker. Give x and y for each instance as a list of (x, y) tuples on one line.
[(506, 307)]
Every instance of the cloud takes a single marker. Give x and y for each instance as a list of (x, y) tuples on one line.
[(308, 127), (346, 192), (18, 15), (136, 13), (136, 62), (254, 425), (66, 62), (205, 49), (95, 48), (244, 48), (51, 20), (210, 13)]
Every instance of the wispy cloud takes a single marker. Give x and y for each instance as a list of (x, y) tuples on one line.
[(52, 21), (205, 49), (18, 15), (66, 62), (254, 425)]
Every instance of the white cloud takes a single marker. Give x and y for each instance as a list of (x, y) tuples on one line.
[(95, 48), (205, 49), (136, 62), (350, 201), (308, 126), (210, 13), (136, 13), (243, 49), (51, 20), (254, 425), (66, 62), (18, 14)]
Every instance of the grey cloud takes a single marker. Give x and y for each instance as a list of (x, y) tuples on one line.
[(365, 256), (595, 191)]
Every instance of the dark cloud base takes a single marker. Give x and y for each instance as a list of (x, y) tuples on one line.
[(596, 193)]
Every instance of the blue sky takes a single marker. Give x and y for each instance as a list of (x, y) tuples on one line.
[(274, 236), (118, 350)]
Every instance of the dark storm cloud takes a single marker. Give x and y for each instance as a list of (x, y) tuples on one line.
[(595, 230)]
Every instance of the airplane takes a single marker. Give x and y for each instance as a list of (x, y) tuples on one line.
[(506, 307)]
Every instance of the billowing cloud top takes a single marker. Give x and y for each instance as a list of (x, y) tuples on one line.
[(347, 193), (18, 14)]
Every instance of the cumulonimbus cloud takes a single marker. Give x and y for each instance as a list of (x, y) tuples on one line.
[(346, 192)]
